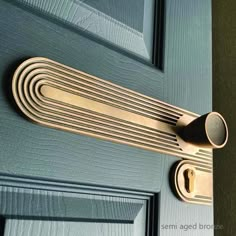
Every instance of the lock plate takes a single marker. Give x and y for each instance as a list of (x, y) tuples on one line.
[(193, 182)]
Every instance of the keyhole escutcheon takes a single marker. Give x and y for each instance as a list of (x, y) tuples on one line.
[(189, 176)]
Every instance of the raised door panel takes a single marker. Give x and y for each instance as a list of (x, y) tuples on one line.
[(126, 25), (85, 211), (39, 152), (36, 157), (62, 228)]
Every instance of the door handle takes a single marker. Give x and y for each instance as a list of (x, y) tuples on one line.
[(61, 97)]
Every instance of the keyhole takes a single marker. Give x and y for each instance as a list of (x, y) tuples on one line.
[(189, 176)]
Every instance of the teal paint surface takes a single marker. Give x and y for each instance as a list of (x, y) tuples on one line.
[(33, 152), (127, 25)]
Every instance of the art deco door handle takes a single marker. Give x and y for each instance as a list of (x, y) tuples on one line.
[(61, 97)]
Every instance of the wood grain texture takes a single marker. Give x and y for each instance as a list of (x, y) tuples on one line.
[(188, 83), (188, 55), (61, 228), (75, 158), (88, 211), (45, 204), (41, 153), (127, 25)]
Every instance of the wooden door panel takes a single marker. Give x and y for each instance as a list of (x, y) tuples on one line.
[(188, 55), (39, 159), (62, 228), (127, 25), (87, 211), (47, 153)]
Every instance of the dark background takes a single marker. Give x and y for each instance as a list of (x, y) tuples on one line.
[(224, 101)]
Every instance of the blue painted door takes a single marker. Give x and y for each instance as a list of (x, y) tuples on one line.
[(57, 183)]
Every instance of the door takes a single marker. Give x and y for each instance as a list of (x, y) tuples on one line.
[(59, 183)]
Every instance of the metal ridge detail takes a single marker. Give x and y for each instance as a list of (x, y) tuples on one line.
[(61, 97)]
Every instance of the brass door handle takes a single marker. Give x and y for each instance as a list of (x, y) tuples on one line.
[(61, 97), (207, 131)]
